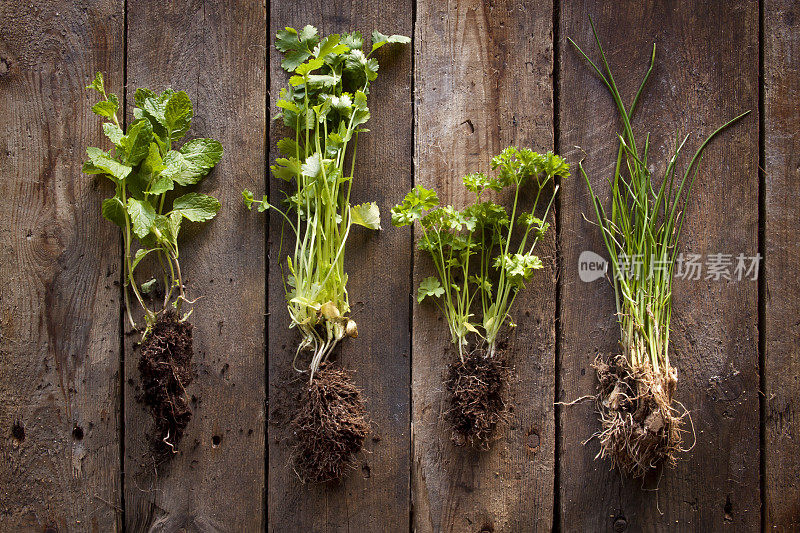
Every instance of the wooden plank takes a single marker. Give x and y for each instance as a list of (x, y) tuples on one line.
[(59, 270), (782, 169), (375, 497), (705, 74), (215, 51), (483, 82)]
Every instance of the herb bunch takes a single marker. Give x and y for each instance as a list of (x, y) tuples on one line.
[(641, 236), (144, 167), (483, 233), (325, 105)]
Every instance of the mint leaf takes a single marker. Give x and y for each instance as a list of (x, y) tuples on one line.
[(178, 115), (113, 132), (367, 215), (153, 164), (429, 286), (105, 109), (97, 84), (135, 145), (193, 161), (102, 163), (114, 211), (161, 185), (196, 207), (142, 216)]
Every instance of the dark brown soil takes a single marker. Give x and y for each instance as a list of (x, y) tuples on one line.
[(478, 389), (329, 428), (640, 429), (166, 370)]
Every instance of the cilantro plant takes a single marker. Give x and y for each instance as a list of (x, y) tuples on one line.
[(325, 105), (144, 166), (474, 250)]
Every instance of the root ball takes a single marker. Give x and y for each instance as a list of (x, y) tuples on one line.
[(329, 428)]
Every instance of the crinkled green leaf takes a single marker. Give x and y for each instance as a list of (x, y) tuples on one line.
[(97, 83), (413, 206), (135, 144), (192, 161), (196, 207), (178, 115), (105, 109), (148, 286), (114, 211), (367, 215), (102, 163), (113, 132), (142, 216)]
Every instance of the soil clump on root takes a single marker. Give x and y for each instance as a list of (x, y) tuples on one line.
[(329, 428), (478, 389), (640, 430), (165, 367)]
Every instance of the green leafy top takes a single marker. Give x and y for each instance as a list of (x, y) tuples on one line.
[(144, 166), (484, 229), (325, 107)]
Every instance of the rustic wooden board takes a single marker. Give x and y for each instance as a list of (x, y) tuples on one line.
[(215, 51), (706, 73), (375, 497), (482, 82), (59, 277), (782, 206)]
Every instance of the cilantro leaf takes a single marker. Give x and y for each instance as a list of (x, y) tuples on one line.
[(379, 39), (367, 215)]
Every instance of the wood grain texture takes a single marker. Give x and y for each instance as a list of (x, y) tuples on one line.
[(483, 81), (215, 51), (705, 74), (374, 497), (782, 307), (59, 288)]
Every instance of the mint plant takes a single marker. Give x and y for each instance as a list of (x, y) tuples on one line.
[(482, 263), (146, 168), (325, 107)]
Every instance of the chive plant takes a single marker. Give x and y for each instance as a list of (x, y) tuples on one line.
[(146, 168), (640, 427), (482, 263), (325, 106)]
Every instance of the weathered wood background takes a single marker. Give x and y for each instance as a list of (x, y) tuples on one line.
[(477, 77)]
